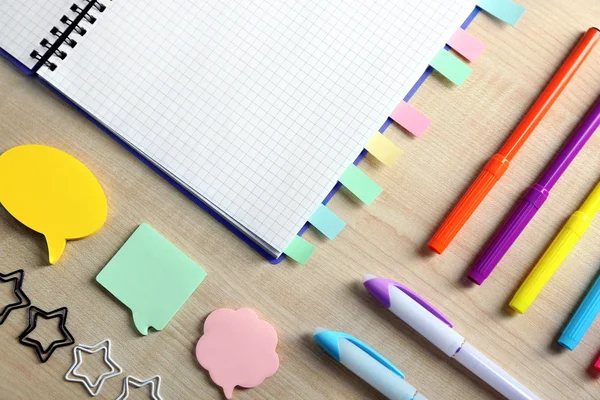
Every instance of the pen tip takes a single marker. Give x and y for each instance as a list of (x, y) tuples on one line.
[(318, 330), (368, 277)]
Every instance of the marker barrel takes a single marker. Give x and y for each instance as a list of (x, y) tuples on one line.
[(591, 205), (506, 236), (553, 257), (582, 319), (492, 172), (535, 197)]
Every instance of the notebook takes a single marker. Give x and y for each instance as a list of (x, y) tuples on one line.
[(256, 108)]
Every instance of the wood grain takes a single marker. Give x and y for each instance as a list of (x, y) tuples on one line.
[(387, 238)]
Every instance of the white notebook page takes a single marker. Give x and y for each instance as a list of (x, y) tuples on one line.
[(24, 23), (257, 107)]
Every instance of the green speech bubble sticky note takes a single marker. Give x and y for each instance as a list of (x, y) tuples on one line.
[(152, 277)]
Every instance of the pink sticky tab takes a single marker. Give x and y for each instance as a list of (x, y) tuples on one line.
[(410, 119), (466, 44), (237, 349)]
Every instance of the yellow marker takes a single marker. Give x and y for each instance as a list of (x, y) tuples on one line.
[(383, 149), (555, 254), (52, 193)]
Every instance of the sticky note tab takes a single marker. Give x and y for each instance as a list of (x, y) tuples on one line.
[(451, 67), (410, 119), (238, 349), (152, 277), (360, 184), (53, 193), (326, 221), (383, 149), (299, 250), (466, 44), (506, 10)]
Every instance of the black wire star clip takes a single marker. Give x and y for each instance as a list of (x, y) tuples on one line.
[(17, 276), (66, 340)]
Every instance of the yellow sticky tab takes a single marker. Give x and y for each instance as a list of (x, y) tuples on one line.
[(383, 149), (52, 193)]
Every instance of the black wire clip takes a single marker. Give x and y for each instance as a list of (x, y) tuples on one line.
[(65, 340), (24, 301)]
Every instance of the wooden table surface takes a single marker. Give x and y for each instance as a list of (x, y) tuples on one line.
[(388, 239)]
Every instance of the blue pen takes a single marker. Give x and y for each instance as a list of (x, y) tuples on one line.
[(369, 365), (582, 319)]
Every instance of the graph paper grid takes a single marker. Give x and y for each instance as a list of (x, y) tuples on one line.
[(256, 107)]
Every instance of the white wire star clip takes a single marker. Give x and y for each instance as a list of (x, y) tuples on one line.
[(154, 383), (95, 387)]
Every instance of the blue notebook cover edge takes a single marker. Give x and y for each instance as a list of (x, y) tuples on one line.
[(16, 63), (188, 194)]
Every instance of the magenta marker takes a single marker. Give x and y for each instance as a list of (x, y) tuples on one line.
[(533, 199)]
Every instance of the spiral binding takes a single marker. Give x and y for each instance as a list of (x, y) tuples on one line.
[(70, 25)]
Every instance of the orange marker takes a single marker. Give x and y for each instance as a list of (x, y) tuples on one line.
[(498, 164)]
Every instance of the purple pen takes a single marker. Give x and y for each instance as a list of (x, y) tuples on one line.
[(534, 198), (437, 329)]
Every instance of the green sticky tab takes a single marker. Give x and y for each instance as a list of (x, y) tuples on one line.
[(360, 184), (451, 67), (327, 222), (299, 250), (152, 277), (506, 10)]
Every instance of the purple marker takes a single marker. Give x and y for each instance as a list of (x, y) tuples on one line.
[(533, 199), (433, 326)]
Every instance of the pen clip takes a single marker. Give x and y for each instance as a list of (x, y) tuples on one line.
[(380, 288), (370, 351), (424, 303), (329, 340)]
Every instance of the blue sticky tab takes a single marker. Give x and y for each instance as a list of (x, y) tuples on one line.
[(329, 341), (327, 222), (506, 10)]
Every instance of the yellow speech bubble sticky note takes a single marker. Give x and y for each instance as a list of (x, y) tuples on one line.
[(52, 193)]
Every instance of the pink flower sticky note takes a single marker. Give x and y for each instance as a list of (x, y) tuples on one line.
[(237, 349)]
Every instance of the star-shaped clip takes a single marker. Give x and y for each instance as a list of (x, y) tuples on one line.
[(154, 383), (17, 276), (93, 388), (66, 340)]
